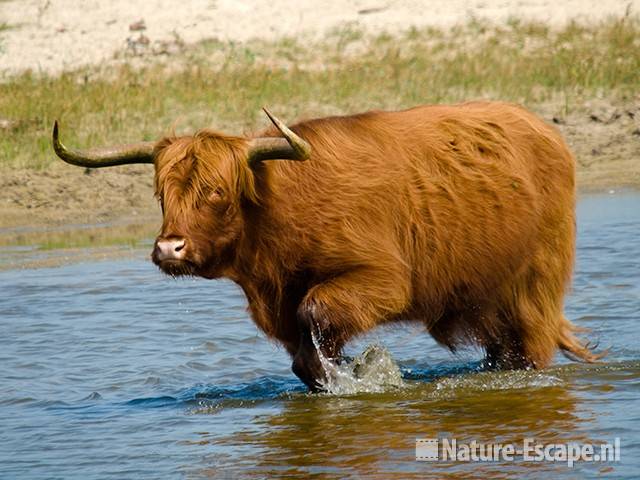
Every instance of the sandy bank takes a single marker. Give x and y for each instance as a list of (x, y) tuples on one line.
[(55, 35)]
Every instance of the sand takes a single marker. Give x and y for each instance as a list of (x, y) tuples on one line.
[(51, 36)]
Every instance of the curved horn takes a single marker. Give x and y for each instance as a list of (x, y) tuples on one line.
[(291, 147), (141, 152)]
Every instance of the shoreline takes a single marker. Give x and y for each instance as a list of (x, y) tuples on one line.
[(603, 135)]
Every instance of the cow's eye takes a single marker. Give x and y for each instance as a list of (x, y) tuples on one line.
[(216, 194)]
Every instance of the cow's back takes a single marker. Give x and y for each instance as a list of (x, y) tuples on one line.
[(457, 195)]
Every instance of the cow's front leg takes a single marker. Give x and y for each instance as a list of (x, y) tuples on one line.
[(333, 312), (307, 364), (317, 339)]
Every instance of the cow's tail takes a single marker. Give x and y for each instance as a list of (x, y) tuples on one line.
[(574, 348)]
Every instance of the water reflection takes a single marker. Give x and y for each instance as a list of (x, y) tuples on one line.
[(111, 370), (373, 435)]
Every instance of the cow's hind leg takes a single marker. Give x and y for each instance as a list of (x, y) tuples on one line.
[(506, 353), (534, 313), (486, 327)]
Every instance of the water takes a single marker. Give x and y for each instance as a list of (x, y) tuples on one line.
[(111, 370)]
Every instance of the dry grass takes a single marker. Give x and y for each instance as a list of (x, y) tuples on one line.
[(225, 85)]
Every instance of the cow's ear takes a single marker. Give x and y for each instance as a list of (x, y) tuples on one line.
[(288, 147)]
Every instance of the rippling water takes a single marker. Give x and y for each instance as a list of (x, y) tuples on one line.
[(111, 370)]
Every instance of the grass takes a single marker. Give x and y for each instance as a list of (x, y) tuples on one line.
[(226, 84), (3, 27), (119, 235)]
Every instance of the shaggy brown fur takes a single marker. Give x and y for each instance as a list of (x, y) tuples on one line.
[(460, 217)]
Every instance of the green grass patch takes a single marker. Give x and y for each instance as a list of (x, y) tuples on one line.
[(127, 235), (3, 26), (225, 84)]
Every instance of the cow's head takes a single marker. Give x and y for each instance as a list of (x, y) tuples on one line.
[(200, 182)]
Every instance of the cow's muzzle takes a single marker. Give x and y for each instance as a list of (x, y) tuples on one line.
[(170, 254), (169, 249)]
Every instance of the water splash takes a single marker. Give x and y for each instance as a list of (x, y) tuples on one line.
[(451, 387), (373, 371)]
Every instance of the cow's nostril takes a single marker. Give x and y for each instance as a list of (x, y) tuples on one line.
[(179, 246)]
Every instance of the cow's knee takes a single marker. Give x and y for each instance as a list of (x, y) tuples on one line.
[(313, 317), (319, 328)]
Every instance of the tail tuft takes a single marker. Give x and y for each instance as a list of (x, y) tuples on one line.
[(575, 349)]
